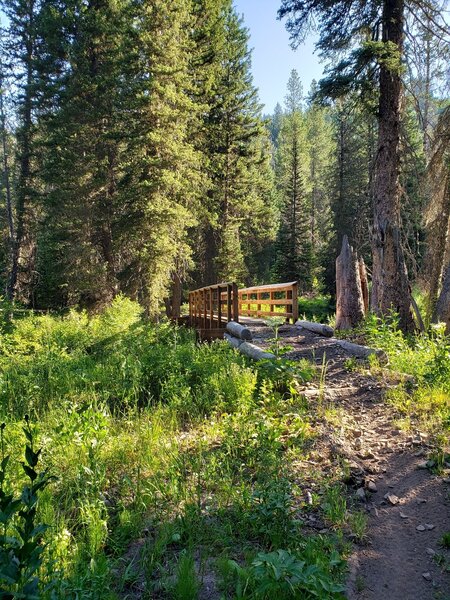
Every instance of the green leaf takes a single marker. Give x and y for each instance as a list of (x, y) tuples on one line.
[(28, 434), (31, 457), (29, 471), (4, 463)]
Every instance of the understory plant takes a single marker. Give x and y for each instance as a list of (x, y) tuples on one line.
[(168, 453), (22, 540)]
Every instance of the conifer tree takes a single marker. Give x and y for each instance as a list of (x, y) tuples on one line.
[(275, 124), (294, 260), (321, 147), (81, 166), (380, 26), (20, 53), (161, 175), (238, 160)]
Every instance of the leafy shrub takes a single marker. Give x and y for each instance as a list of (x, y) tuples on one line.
[(283, 575), (21, 544), (316, 308)]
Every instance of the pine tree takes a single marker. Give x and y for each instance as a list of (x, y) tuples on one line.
[(238, 161), (321, 148), (275, 124), (294, 260), (380, 26), (351, 176), (81, 146), (161, 171), (20, 49)]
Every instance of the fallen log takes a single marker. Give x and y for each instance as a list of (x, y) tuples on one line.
[(362, 351), (254, 352), (324, 330), (239, 330), (233, 341)]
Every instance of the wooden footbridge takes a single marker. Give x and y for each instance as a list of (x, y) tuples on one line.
[(212, 307)]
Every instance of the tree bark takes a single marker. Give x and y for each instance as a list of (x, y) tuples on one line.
[(173, 302), (349, 295), (20, 280), (9, 208), (364, 284), (437, 213), (390, 286), (442, 313)]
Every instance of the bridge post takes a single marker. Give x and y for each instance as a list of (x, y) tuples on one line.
[(235, 303)]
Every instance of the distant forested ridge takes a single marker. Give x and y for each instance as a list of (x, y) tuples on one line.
[(136, 158)]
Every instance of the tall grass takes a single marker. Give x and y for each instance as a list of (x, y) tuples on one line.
[(423, 398), (168, 454)]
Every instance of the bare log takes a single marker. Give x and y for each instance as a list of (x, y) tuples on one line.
[(239, 331), (362, 351), (233, 341), (349, 295), (254, 352), (324, 330)]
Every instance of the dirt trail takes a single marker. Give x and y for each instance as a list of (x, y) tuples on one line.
[(400, 561)]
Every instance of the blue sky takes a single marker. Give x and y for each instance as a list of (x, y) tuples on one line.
[(272, 57)]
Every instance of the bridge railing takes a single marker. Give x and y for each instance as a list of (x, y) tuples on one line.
[(280, 299), (211, 307)]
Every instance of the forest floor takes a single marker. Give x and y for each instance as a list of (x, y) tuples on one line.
[(408, 507)]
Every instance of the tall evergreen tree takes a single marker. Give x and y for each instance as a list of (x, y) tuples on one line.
[(81, 153), (275, 124), (20, 56), (350, 178), (321, 146), (238, 161), (341, 24), (161, 175), (294, 260)]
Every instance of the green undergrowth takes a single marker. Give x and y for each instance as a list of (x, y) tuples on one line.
[(318, 308), (175, 463), (423, 363)]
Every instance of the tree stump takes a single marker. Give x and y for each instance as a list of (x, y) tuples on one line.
[(364, 284), (350, 307), (442, 312)]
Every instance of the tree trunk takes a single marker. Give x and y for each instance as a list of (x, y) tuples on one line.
[(438, 230), (442, 313), (254, 352), (390, 286), (349, 294), (364, 284), (20, 280), (324, 330), (173, 302), (239, 331), (437, 213), (9, 209)]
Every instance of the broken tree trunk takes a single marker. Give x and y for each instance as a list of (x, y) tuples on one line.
[(349, 295), (364, 284), (442, 313)]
